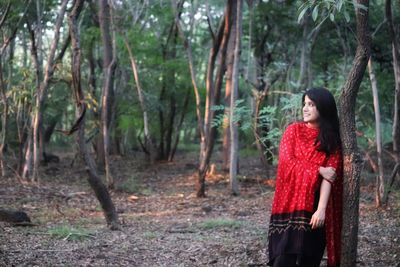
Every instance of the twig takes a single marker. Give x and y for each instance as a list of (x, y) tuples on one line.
[(19, 178), (40, 250)]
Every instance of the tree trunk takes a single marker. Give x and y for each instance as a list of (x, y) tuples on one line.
[(109, 65), (305, 53), (237, 33), (4, 119), (179, 126), (309, 37), (212, 97), (380, 183), (94, 180), (261, 85), (230, 58), (352, 160), (148, 139), (188, 48), (394, 38), (27, 169), (3, 84), (48, 73)]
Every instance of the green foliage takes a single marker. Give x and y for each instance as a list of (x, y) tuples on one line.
[(268, 120), (241, 116), (67, 232), (150, 235), (291, 106), (218, 223), (130, 185), (328, 9)]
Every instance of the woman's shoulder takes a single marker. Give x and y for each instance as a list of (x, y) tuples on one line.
[(295, 125)]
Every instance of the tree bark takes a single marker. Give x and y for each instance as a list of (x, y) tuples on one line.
[(94, 180), (212, 97), (230, 58), (48, 73), (109, 65), (4, 85), (394, 38), (27, 169), (380, 182), (237, 33), (188, 48), (148, 139), (309, 37), (4, 120), (179, 127), (352, 161)]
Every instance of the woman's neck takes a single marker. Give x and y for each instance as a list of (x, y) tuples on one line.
[(313, 125)]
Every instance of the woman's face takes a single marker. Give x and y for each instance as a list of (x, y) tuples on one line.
[(310, 112)]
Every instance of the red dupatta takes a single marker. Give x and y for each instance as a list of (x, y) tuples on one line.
[(296, 183)]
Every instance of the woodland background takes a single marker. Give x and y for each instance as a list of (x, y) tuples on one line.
[(164, 117)]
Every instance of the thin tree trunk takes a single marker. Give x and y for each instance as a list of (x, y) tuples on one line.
[(48, 73), (380, 183), (259, 97), (352, 160), (4, 120), (94, 180), (22, 107), (394, 38), (309, 37), (179, 126), (304, 55), (230, 58), (212, 97), (27, 169), (235, 92), (3, 84), (109, 65), (148, 139), (188, 48)]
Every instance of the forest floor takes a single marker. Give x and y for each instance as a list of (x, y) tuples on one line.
[(163, 223)]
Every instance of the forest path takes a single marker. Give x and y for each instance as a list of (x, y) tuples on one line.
[(164, 224)]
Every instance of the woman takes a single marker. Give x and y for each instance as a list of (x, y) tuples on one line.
[(307, 208)]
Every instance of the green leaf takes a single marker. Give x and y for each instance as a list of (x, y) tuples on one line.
[(360, 6), (315, 13), (347, 16), (301, 15), (339, 5), (332, 17)]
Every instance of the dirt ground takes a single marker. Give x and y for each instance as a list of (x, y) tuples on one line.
[(163, 223)]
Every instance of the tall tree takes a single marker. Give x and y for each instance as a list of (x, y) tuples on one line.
[(148, 142), (3, 84), (352, 160), (188, 47), (213, 94), (380, 182), (394, 38), (109, 65), (94, 180), (230, 58), (42, 91), (237, 33)]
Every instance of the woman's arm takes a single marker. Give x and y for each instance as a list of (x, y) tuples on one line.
[(329, 175), (318, 218)]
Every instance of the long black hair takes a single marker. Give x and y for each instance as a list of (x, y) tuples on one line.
[(329, 135)]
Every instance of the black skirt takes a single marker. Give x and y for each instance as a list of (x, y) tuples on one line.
[(292, 242)]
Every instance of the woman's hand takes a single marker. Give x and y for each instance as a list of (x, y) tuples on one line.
[(318, 219), (328, 173)]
